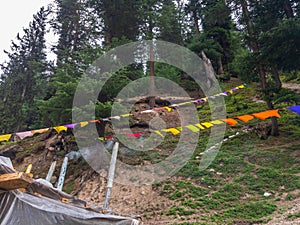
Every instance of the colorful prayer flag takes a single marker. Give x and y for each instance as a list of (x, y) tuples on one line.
[(245, 118), (60, 129), (267, 114), (5, 137), (295, 109), (230, 121)]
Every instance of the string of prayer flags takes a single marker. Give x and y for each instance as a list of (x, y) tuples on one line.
[(193, 127), (196, 101), (60, 129), (5, 137), (230, 121), (295, 109), (267, 114)]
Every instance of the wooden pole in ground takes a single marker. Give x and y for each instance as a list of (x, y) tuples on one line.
[(152, 84), (62, 174), (111, 174), (51, 170)]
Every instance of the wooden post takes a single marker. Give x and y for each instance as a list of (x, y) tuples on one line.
[(62, 174), (51, 170), (152, 84), (111, 174)]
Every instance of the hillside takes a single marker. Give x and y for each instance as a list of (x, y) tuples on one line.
[(230, 191)]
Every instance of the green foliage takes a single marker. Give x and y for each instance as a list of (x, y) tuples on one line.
[(287, 36), (167, 71), (170, 29), (24, 76), (244, 66), (286, 96), (176, 210), (249, 211)]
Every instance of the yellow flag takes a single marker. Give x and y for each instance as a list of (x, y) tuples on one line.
[(83, 124), (126, 115), (60, 129), (200, 126), (216, 122), (158, 132), (168, 108), (174, 131), (192, 128), (207, 124), (5, 137)]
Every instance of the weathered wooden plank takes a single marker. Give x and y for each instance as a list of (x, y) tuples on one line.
[(12, 181)]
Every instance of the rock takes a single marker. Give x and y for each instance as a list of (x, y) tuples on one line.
[(11, 151), (53, 179), (267, 194)]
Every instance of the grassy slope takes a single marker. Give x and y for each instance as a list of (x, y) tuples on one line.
[(230, 190)]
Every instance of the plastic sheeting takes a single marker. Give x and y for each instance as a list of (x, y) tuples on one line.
[(18, 208)]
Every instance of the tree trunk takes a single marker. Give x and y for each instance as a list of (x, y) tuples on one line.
[(196, 22), (152, 94), (220, 67), (288, 9), (261, 69), (276, 77)]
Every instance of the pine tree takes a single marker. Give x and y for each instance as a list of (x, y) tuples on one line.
[(24, 76), (120, 18), (168, 23)]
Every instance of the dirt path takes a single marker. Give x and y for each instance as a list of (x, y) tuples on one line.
[(290, 208)]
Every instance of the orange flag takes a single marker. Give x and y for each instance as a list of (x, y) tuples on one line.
[(267, 114), (245, 118), (40, 131), (230, 121)]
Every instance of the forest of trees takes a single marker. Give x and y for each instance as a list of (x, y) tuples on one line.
[(252, 40)]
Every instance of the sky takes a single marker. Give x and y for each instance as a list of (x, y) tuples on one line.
[(14, 16)]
